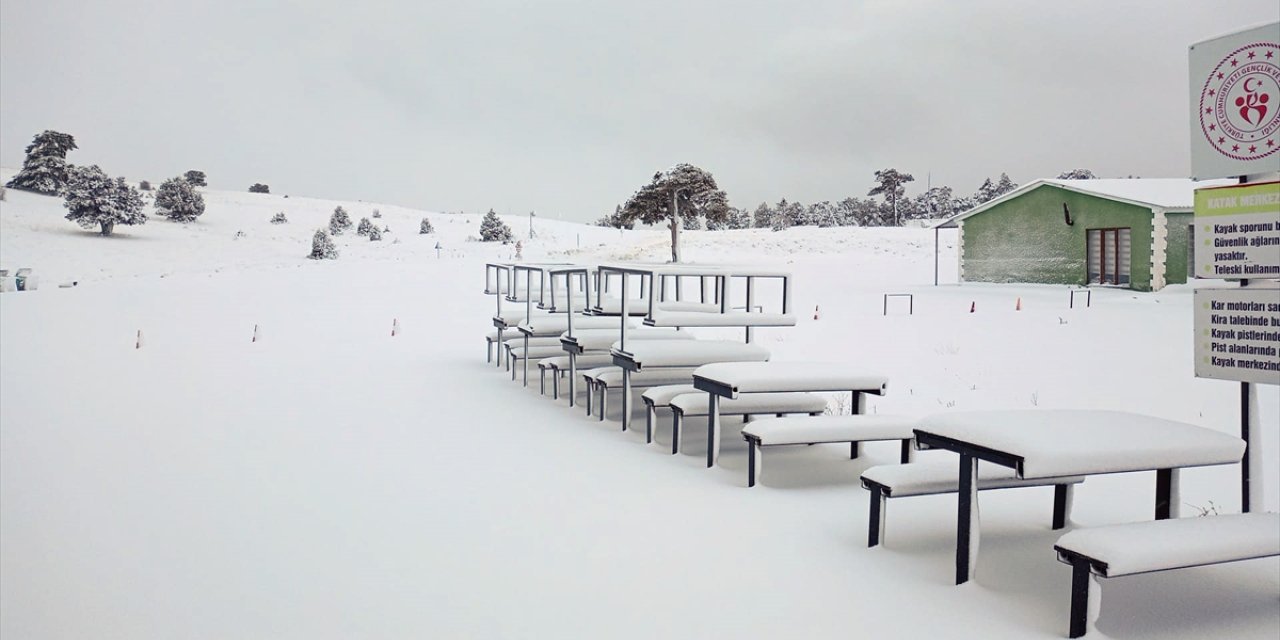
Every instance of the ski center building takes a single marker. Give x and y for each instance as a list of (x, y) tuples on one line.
[(1133, 233)]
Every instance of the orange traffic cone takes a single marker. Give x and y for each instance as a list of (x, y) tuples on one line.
[(1018, 306), (973, 306)]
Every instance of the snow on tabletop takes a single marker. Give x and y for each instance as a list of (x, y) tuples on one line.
[(597, 339), (1068, 442), (1179, 542), (558, 324), (833, 428), (730, 319), (754, 377), (924, 478), (662, 396), (655, 377), (692, 353)]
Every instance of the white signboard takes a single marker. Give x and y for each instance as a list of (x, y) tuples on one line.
[(1238, 333), (1237, 229), (1235, 104)]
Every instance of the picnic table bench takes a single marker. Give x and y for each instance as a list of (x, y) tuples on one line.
[(696, 404), (795, 430), (664, 354), (1161, 545), (729, 380)]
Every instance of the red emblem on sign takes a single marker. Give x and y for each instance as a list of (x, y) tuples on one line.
[(1240, 103)]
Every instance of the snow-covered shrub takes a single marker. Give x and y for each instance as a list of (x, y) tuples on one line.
[(45, 169), (374, 233), (179, 201), (322, 247), (93, 199), (425, 227), (377, 214), (196, 178), (144, 186), (279, 218), (494, 230), (339, 221), (258, 187), (364, 227)]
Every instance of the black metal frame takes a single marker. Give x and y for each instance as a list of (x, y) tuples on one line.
[(911, 302)]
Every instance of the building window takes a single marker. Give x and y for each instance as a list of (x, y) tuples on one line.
[(1108, 251)]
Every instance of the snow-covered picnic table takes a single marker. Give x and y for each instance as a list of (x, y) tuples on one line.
[(730, 379), (579, 342), (1049, 443)]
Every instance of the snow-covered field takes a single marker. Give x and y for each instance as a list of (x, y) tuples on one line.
[(333, 481)]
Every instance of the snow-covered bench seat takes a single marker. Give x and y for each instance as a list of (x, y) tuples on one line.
[(1158, 545), (511, 343), (729, 319), (697, 404), (551, 326), (517, 354), (604, 339), (932, 478), (853, 429), (660, 398), (559, 365), (683, 353), (600, 380)]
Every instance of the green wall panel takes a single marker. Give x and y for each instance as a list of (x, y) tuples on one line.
[(1175, 264), (1026, 239)]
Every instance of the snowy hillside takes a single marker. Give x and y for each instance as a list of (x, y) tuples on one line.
[(269, 461)]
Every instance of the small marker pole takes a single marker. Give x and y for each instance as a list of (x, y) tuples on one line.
[(815, 312), (1018, 306), (973, 306), (395, 327), (138, 343), (255, 333)]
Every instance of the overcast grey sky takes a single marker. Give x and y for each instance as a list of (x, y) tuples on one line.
[(566, 107)]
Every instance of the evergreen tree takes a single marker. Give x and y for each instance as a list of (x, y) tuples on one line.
[(178, 200), (425, 227), (990, 191), (45, 169), (377, 214), (374, 233), (279, 218), (1005, 185), (258, 187), (339, 221), (763, 217), (322, 247), (691, 224), (364, 227), (492, 229), (93, 199), (823, 214), (1077, 174), (889, 183), (934, 203), (196, 178), (738, 219), (680, 193), (144, 186)]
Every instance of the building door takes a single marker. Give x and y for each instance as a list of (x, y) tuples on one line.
[(1108, 256)]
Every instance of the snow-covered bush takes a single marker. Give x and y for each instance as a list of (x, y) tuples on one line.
[(494, 230), (45, 169), (339, 221), (377, 214), (93, 199), (179, 201), (364, 227), (279, 218), (322, 247), (196, 178), (144, 186), (374, 233), (425, 227), (258, 187)]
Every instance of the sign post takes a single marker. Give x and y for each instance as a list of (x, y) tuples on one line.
[(1235, 133)]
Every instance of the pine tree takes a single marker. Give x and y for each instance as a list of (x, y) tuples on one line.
[(196, 178), (144, 186), (279, 218), (889, 183), (339, 221), (763, 217), (45, 169), (1077, 174), (93, 199), (377, 214), (258, 187), (493, 229), (364, 227), (1005, 185), (322, 247), (425, 227), (374, 233), (681, 192), (739, 218), (178, 200)]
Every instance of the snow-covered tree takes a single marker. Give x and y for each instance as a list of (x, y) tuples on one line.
[(93, 199), (889, 183), (425, 227), (339, 221), (375, 233), (322, 247), (258, 187), (681, 192), (691, 224), (196, 178), (738, 218), (144, 186), (377, 214), (786, 214), (45, 170), (279, 218), (364, 227), (763, 216), (934, 203), (990, 191), (823, 214), (492, 229), (179, 201), (1077, 174)]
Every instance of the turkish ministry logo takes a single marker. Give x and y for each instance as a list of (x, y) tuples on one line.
[(1240, 103)]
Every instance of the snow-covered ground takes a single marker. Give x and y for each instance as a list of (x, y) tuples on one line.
[(330, 480)]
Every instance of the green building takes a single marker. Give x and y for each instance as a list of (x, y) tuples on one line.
[(1132, 233)]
